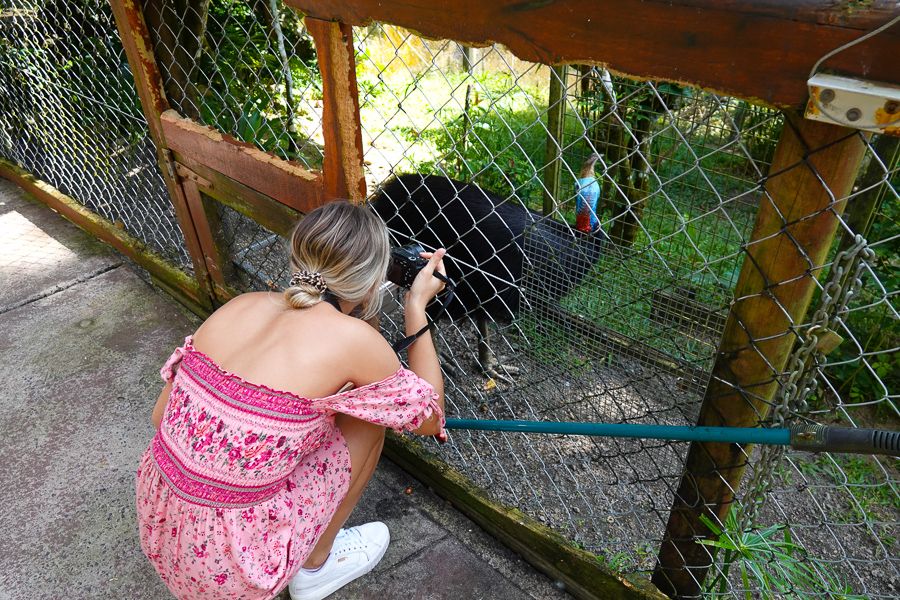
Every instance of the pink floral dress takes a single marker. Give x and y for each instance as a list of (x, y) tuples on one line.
[(240, 479)]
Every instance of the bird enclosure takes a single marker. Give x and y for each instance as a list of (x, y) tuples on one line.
[(738, 265)]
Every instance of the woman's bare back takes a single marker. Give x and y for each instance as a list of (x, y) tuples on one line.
[(312, 352)]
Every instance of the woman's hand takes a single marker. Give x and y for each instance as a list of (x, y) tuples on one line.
[(426, 286)]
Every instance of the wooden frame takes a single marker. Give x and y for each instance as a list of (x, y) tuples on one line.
[(265, 210), (286, 181), (340, 112), (758, 50)]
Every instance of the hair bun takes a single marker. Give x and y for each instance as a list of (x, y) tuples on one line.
[(313, 279)]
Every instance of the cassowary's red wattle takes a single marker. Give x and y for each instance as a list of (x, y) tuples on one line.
[(583, 219)]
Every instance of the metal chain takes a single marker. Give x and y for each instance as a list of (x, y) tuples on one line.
[(803, 366)]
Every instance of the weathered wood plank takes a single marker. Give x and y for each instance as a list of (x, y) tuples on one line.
[(812, 172), (265, 210), (139, 50), (148, 82), (179, 283), (758, 50), (340, 112), (286, 181), (212, 255)]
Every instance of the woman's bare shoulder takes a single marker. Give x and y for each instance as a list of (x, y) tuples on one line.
[(372, 357), (243, 310)]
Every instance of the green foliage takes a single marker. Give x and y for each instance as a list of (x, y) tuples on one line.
[(498, 144), (615, 561), (866, 368), (243, 92), (770, 562)]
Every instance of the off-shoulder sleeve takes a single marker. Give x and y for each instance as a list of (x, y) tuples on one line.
[(402, 402), (167, 372)]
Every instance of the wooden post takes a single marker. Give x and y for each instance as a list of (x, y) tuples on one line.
[(343, 164), (556, 125), (148, 82), (812, 172), (206, 220), (178, 27)]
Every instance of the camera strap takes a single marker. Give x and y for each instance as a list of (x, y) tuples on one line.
[(448, 293)]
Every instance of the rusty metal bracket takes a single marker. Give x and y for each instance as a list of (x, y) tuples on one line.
[(856, 103)]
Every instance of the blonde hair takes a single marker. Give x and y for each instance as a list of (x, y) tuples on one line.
[(348, 245)]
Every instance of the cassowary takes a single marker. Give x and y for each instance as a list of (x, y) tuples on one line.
[(493, 247)]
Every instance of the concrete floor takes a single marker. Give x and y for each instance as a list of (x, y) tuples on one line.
[(82, 338)]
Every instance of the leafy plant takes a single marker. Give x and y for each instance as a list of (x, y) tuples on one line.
[(770, 562)]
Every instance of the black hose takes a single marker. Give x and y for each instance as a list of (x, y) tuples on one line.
[(819, 438)]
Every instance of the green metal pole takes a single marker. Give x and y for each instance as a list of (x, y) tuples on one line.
[(811, 438)]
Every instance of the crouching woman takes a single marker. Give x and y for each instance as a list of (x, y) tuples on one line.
[(272, 421)]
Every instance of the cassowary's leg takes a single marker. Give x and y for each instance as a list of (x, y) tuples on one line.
[(447, 363), (490, 366)]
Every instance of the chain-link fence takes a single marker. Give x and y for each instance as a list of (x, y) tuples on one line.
[(69, 114), (627, 333), (597, 227), (246, 68)]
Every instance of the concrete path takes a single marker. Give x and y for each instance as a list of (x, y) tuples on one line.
[(82, 338)]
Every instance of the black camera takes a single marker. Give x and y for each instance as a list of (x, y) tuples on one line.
[(405, 264)]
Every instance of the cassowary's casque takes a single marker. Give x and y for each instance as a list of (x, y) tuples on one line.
[(492, 246)]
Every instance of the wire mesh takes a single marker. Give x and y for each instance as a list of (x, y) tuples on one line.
[(613, 314), (624, 333), (245, 68), (69, 114), (842, 509)]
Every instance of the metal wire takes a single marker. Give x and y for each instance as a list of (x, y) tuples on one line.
[(69, 114), (617, 326)]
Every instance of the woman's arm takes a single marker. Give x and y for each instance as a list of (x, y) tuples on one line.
[(423, 359), (160, 406)]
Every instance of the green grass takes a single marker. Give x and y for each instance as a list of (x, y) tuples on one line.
[(871, 492)]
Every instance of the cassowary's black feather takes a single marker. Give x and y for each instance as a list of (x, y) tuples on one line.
[(494, 246)]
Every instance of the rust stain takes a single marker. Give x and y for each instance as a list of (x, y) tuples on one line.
[(887, 120), (812, 107)]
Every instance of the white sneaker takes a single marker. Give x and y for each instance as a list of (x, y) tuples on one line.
[(355, 552)]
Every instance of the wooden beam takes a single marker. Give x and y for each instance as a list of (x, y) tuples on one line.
[(286, 181), (811, 175), (758, 50), (148, 82), (582, 573), (202, 213), (179, 283), (343, 164), (265, 210), (139, 51)]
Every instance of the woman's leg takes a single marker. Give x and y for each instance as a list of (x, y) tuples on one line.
[(364, 441)]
